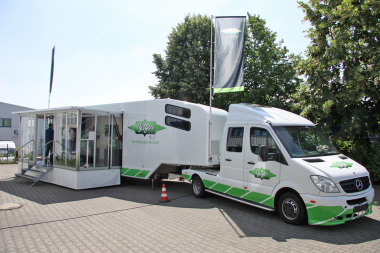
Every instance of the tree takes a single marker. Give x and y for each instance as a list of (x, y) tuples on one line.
[(185, 72), (270, 76), (342, 68)]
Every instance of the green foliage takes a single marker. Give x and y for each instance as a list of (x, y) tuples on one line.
[(342, 90), (270, 75), (342, 68), (185, 72), (367, 155)]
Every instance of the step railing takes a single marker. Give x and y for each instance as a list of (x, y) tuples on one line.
[(32, 153), (21, 155)]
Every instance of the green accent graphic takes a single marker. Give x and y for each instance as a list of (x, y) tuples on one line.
[(240, 193), (146, 127), (341, 165), (325, 215), (225, 90), (134, 172), (237, 192), (262, 173), (221, 187), (186, 177), (256, 197)]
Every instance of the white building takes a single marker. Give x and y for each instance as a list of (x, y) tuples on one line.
[(9, 123)]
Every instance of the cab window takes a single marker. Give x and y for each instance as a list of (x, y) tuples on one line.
[(235, 139), (261, 137)]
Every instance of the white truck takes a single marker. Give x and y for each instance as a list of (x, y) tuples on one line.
[(261, 156)]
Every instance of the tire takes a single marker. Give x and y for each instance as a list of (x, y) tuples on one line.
[(292, 209), (198, 187)]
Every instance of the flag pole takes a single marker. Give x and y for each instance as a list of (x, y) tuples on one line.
[(51, 74), (210, 118)]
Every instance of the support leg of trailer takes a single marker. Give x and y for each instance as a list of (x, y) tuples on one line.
[(152, 184)]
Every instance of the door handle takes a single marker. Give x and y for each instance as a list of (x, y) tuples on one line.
[(228, 160), (251, 163)]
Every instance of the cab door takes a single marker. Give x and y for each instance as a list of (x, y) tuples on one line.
[(261, 176), (233, 158)]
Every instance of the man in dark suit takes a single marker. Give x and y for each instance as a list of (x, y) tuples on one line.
[(49, 137)]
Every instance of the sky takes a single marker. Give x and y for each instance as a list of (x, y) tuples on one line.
[(104, 48)]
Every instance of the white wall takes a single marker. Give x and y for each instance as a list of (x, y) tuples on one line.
[(8, 133)]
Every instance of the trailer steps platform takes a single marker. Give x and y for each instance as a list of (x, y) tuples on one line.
[(40, 169)]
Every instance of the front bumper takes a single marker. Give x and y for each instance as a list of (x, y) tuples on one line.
[(329, 211)]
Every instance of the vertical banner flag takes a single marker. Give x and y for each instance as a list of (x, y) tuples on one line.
[(229, 54), (52, 70)]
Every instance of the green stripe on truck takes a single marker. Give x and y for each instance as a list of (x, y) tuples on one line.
[(240, 193)]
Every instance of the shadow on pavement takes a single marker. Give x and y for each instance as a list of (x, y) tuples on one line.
[(245, 220)]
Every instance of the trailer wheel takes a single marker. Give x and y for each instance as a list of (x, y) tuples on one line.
[(292, 209), (198, 187)]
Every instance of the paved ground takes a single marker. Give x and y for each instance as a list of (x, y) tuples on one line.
[(129, 218)]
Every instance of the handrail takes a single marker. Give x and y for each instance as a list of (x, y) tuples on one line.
[(22, 158), (25, 144), (39, 148), (64, 147)]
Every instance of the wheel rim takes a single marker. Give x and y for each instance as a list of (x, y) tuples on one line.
[(196, 187), (290, 209)]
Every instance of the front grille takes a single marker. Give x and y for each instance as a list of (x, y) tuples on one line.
[(349, 186), (356, 201)]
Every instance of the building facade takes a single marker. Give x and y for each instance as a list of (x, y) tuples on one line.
[(9, 123)]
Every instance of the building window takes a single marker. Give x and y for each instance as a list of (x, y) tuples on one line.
[(178, 123), (178, 111), (235, 139), (5, 122)]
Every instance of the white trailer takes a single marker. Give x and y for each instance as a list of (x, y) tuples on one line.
[(164, 136)]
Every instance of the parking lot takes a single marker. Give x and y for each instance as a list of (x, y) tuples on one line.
[(130, 218)]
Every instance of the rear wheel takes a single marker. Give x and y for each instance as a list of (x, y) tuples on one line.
[(291, 208), (198, 187)]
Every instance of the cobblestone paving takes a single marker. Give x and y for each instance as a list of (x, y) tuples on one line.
[(130, 218)]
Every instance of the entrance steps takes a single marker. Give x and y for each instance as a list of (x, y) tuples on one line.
[(35, 172)]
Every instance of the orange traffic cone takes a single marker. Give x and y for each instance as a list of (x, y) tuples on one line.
[(164, 196)]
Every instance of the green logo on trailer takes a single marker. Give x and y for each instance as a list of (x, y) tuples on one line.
[(146, 127), (262, 173)]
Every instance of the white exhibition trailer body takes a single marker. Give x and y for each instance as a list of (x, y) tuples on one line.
[(162, 136)]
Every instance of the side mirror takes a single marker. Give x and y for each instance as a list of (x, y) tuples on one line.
[(263, 153)]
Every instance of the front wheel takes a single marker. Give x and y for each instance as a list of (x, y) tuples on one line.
[(292, 209), (198, 187)]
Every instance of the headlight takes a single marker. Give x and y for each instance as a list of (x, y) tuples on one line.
[(324, 184)]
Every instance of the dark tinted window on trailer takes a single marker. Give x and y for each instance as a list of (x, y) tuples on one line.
[(178, 111), (178, 123)]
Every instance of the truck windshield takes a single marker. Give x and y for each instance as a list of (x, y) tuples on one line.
[(304, 141)]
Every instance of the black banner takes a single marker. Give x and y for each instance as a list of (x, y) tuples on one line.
[(52, 70), (229, 54)]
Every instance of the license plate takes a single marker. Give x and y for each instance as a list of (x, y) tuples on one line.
[(360, 208)]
